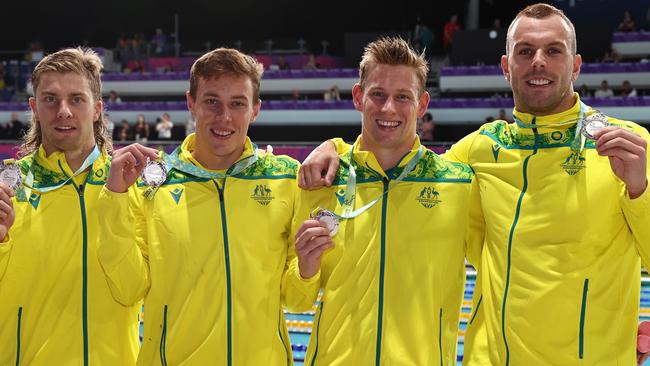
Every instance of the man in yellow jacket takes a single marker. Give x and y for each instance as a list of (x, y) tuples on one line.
[(565, 210), (391, 262), (56, 307), (206, 248)]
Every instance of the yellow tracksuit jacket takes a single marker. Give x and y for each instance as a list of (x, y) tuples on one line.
[(560, 269), (55, 305), (393, 283), (208, 257)]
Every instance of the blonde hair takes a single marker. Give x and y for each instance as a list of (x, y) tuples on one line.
[(226, 61), (392, 51), (80, 61), (543, 11)]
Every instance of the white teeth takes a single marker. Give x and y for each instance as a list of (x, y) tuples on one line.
[(64, 128), (388, 123), (221, 132), (539, 81)]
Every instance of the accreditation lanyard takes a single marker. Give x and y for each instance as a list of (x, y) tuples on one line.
[(25, 192), (350, 186), (579, 140)]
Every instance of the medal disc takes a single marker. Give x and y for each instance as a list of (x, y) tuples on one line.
[(154, 174), (329, 219), (10, 175), (593, 124)]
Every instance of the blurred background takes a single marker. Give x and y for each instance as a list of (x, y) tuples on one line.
[(310, 53)]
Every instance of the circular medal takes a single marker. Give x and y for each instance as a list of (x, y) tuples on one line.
[(10, 175), (328, 218), (593, 124), (154, 173)]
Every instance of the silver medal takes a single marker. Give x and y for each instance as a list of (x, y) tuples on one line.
[(328, 218), (154, 173), (593, 124), (10, 175)]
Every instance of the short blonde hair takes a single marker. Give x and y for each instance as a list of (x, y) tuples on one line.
[(80, 61), (392, 51), (543, 11), (226, 61)]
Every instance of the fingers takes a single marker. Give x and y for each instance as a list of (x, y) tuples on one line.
[(319, 168), (331, 171), (643, 343), (611, 132), (308, 224), (5, 190), (311, 175), (5, 194), (641, 357), (624, 155), (304, 180), (127, 165), (312, 248), (312, 234), (139, 152), (301, 178), (618, 138), (6, 210), (620, 144), (644, 328), (312, 240)]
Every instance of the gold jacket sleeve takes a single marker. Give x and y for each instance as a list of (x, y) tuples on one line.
[(122, 248), (5, 253), (637, 212), (298, 294)]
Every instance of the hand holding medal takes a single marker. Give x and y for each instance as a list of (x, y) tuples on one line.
[(328, 218), (128, 164), (11, 178), (313, 238), (627, 154), (592, 124), (10, 174)]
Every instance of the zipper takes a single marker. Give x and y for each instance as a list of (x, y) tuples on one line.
[(382, 262), (583, 311), (163, 339), (320, 315), (224, 227), (84, 255), (440, 338), (20, 317), (510, 236)]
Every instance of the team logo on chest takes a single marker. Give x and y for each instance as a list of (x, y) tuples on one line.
[(495, 152), (176, 194), (34, 200), (262, 194), (574, 163), (428, 197)]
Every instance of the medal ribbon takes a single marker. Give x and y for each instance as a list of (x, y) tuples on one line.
[(578, 143), (173, 161), (350, 186), (25, 192)]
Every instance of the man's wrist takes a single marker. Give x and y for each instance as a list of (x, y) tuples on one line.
[(636, 193)]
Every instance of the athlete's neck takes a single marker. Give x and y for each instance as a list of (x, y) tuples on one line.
[(386, 157), (212, 161), (74, 157)]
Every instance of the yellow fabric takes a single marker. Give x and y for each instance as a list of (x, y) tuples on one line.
[(393, 283), (563, 247), (45, 278), (209, 269)]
